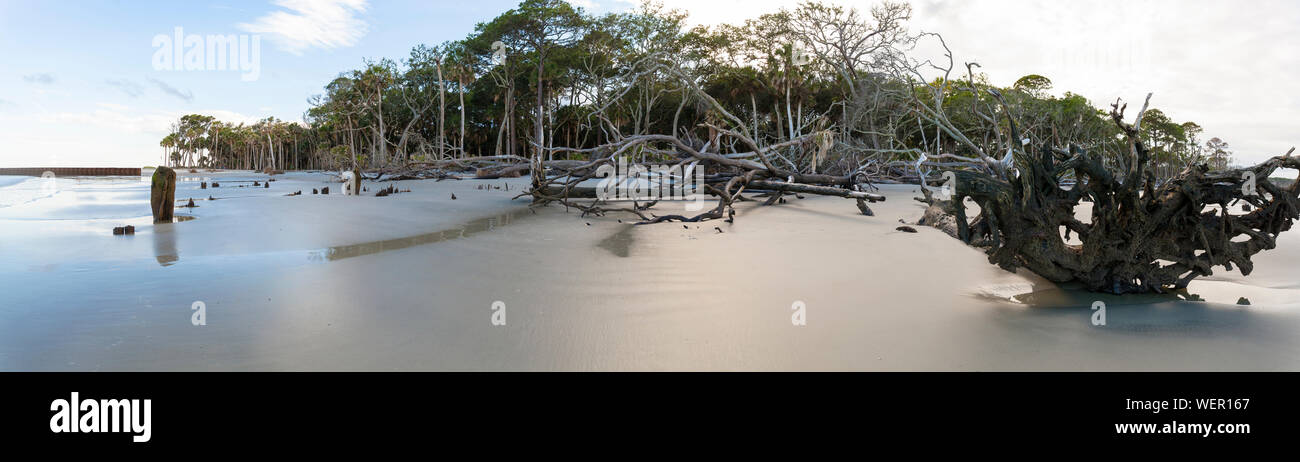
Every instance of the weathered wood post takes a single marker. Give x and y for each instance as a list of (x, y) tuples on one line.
[(162, 195)]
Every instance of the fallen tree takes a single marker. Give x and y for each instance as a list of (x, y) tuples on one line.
[(727, 175), (1142, 236)]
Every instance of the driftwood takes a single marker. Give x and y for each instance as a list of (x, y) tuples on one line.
[(1142, 237), (481, 168), (727, 176)]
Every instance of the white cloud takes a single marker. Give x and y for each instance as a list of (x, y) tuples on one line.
[(44, 78), (184, 95), (309, 24), (129, 87)]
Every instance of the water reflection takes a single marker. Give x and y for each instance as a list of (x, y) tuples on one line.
[(164, 240), (619, 243), (1074, 294), (1173, 319), (1175, 314), (164, 244), (368, 248)]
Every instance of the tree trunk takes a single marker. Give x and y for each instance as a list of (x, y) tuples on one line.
[(442, 112), (537, 172), (462, 117)]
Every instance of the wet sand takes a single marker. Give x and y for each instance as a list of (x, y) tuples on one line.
[(408, 282)]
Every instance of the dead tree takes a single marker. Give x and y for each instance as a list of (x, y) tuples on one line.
[(1142, 237), (727, 175)]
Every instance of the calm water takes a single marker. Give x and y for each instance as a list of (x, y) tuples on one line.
[(413, 282)]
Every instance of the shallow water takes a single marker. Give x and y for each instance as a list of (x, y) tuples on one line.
[(462, 231), (412, 281)]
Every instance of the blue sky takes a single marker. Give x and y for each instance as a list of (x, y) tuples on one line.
[(78, 87)]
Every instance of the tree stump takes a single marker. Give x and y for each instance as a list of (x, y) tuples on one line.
[(162, 196)]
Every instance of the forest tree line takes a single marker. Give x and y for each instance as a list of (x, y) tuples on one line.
[(548, 80)]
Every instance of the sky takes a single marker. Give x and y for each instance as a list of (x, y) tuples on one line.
[(86, 82)]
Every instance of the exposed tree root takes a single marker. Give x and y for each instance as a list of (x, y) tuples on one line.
[(1143, 236), (725, 176)]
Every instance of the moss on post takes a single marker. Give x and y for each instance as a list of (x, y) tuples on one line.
[(162, 196)]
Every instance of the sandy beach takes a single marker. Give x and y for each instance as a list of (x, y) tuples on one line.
[(410, 281)]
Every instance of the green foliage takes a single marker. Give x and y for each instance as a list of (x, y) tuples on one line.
[(586, 72), (1033, 84)]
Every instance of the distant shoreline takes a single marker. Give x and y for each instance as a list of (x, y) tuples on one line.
[(72, 171)]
